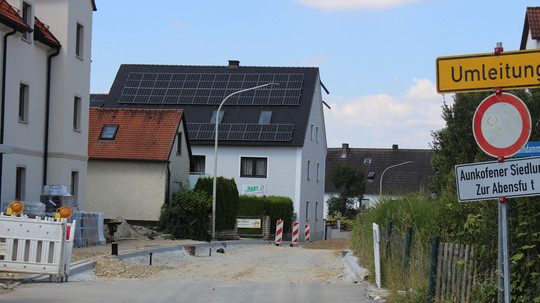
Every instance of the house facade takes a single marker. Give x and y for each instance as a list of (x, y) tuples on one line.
[(138, 158), (530, 39), (272, 140), (388, 171), (45, 87)]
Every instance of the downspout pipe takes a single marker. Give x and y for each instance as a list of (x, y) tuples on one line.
[(47, 115), (3, 105)]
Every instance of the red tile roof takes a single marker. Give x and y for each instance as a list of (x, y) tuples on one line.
[(532, 24), (533, 14), (10, 17), (43, 34), (143, 134)]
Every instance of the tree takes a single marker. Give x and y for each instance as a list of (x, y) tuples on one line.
[(349, 181), (476, 222)]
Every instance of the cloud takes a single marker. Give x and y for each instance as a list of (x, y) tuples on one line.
[(382, 120), (335, 5), (179, 23), (314, 61)]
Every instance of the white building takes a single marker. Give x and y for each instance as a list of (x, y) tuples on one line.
[(46, 63), (137, 159), (272, 140), (530, 39)]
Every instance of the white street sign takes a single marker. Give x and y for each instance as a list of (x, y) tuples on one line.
[(491, 180)]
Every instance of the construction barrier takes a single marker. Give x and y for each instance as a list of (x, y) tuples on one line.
[(279, 232), (306, 232), (35, 245), (296, 226)]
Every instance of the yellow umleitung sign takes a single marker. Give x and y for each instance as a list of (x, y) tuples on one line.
[(509, 70)]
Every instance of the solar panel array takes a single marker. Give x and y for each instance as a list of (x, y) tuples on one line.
[(211, 88), (241, 132), (97, 100)]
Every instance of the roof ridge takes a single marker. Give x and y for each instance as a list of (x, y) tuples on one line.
[(138, 109), (224, 66)]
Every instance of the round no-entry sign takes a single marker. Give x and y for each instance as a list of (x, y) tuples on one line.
[(502, 125)]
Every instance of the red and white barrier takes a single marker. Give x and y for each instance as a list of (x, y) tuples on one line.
[(295, 233), (279, 232), (306, 232), (41, 246)]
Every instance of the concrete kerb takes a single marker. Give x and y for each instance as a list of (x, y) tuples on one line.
[(371, 291)]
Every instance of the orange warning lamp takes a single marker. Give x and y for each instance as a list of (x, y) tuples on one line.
[(63, 212), (15, 208)]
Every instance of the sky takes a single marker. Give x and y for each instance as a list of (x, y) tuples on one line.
[(376, 57)]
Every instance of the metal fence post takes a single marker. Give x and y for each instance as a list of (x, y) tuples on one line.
[(407, 250), (433, 267), (388, 238)]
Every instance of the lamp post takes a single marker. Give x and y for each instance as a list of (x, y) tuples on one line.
[(380, 181), (214, 187)]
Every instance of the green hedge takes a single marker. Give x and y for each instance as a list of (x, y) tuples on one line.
[(226, 200), (187, 216), (274, 206)]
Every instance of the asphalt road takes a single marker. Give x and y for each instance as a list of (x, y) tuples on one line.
[(161, 290), (259, 274)]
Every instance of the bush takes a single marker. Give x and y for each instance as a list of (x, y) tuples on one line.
[(226, 200), (187, 216), (274, 206)]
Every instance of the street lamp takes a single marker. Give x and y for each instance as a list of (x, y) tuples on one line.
[(214, 190), (380, 181)]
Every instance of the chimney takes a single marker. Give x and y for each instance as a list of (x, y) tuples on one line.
[(233, 64), (395, 147), (344, 150)]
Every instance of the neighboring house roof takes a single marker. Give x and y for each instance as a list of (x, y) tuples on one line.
[(142, 134), (532, 25), (10, 17), (412, 177), (97, 100), (44, 35), (200, 89)]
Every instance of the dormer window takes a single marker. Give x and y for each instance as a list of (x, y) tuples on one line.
[(213, 118), (371, 176), (367, 161), (265, 117), (108, 132)]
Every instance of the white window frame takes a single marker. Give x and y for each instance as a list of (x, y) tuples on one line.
[(254, 168), (307, 211), (179, 143), (308, 169), (201, 159), (74, 190), (20, 183), (77, 106), (265, 117), (79, 40), (28, 18), (24, 97)]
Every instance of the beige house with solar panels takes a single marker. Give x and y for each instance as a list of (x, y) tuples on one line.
[(45, 105), (272, 140)]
